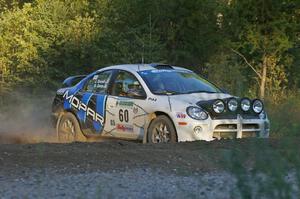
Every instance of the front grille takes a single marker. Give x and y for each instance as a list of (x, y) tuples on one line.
[(233, 116), (250, 126), (225, 131), (250, 134), (225, 135), (231, 131), (226, 126)]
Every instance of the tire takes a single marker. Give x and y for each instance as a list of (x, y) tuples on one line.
[(68, 129), (162, 130)]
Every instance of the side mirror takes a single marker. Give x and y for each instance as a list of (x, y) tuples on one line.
[(138, 94)]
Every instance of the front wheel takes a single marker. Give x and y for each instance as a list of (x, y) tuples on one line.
[(161, 130), (68, 129)]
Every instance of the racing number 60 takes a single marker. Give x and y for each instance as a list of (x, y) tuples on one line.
[(123, 115)]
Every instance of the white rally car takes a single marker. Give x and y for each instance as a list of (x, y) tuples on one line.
[(153, 103)]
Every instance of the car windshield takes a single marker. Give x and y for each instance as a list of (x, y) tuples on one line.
[(172, 82)]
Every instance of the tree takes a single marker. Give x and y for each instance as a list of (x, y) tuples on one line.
[(259, 32), (44, 42)]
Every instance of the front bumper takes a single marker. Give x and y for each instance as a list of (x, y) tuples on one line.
[(224, 128)]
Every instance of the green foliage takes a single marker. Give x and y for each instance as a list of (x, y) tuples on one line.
[(19, 47), (262, 167), (263, 31), (235, 80), (42, 41), (37, 39), (285, 117)]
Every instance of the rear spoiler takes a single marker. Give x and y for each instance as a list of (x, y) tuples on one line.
[(73, 80)]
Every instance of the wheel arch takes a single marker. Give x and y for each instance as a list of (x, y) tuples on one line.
[(61, 110), (78, 136), (152, 116)]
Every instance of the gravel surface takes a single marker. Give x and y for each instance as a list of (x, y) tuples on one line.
[(136, 183), (120, 169), (112, 169)]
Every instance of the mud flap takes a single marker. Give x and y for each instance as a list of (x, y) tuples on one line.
[(147, 124)]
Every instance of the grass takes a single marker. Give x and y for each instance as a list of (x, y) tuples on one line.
[(261, 167), (269, 168)]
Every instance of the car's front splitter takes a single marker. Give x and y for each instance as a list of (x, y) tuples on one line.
[(226, 128)]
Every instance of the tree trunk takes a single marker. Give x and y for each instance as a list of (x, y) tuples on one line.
[(263, 77)]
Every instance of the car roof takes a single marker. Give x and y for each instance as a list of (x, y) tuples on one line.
[(143, 67)]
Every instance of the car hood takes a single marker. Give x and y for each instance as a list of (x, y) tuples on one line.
[(196, 97)]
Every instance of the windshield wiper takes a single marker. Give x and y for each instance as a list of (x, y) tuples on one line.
[(167, 93), (200, 91)]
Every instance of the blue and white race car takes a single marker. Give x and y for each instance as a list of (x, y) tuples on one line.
[(153, 103)]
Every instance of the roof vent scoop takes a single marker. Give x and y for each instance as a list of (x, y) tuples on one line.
[(161, 66)]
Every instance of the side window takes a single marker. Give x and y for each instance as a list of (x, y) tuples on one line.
[(127, 85), (99, 83)]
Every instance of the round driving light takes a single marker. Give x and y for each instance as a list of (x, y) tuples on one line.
[(257, 106), (218, 106), (232, 104), (198, 129), (245, 104)]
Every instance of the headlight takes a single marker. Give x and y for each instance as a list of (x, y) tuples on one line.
[(196, 113), (245, 104), (232, 104), (218, 106), (257, 106)]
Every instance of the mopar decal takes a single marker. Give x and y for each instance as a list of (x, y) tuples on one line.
[(81, 106)]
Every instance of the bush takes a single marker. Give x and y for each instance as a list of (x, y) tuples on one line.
[(285, 117)]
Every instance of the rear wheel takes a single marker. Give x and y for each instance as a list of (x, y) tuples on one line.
[(161, 130), (68, 129)]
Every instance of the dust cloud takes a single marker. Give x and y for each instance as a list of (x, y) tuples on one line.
[(26, 118)]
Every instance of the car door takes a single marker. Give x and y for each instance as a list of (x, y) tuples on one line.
[(93, 96), (125, 115)]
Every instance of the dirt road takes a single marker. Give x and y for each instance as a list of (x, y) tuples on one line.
[(106, 156), (120, 169), (111, 169)]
